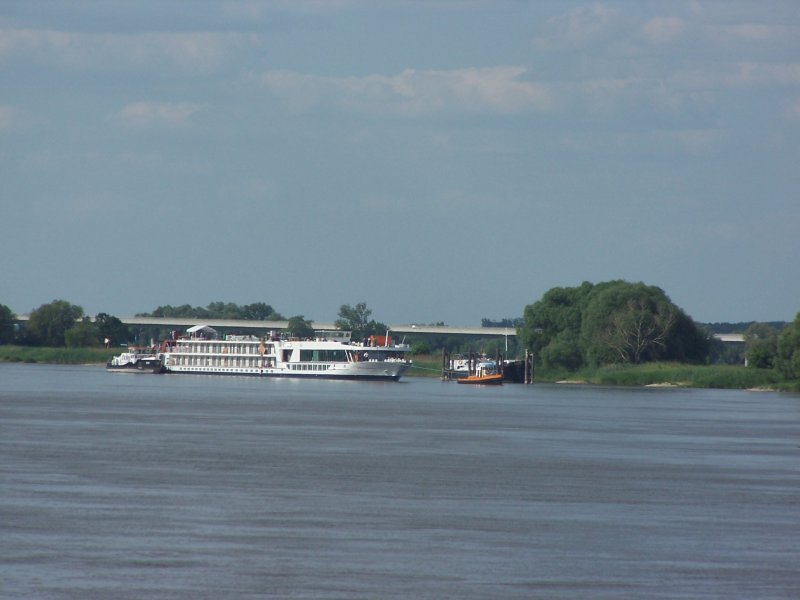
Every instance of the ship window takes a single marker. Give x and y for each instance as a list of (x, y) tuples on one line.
[(323, 355)]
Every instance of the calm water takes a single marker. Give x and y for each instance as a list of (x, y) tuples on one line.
[(136, 486)]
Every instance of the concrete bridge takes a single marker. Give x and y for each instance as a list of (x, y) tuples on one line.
[(179, 323), (246, 325)]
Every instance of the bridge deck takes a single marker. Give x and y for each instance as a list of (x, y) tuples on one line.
[(179, 323)]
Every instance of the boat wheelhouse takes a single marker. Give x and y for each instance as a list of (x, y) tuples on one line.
[(484, 373), (331, 354)]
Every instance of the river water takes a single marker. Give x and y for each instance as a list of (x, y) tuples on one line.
[(184, 486)]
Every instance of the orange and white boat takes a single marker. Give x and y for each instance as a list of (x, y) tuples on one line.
[(485, 373)]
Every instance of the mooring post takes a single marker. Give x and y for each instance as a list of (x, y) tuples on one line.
[(528, 368)]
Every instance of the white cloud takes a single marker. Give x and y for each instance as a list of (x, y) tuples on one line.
[(746, 73), (157, 113), (579, 27), (661, 30), (185, 51), (693, 141), (753, 32), (754, 73), (259, 10), (492, 90)]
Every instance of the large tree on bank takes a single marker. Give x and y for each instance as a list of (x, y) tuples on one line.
[(49, 323), (610, 322), (357, 320)]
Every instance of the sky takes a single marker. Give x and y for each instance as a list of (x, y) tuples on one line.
[(441, 160)]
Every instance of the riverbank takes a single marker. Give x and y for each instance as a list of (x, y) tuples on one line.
[(60, 356), (648, 374), (677, 375)]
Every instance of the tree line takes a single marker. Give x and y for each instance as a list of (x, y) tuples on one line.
[(60, 323), (257, 311), (619, 322), (569, 328)]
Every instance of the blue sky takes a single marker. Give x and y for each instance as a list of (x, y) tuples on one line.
[(440, 160)]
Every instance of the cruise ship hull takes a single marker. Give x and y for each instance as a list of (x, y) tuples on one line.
[(378, 373), (205, 353)]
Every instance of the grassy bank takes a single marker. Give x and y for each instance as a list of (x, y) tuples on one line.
[(62, 356), (698, 376), (683, 375), (426, 365)]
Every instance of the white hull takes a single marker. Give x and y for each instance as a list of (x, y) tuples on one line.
[(343, 371)]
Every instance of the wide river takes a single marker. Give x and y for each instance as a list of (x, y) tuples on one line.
[(120, 486)]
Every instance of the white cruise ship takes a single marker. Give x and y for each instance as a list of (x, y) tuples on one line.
[(330, 355)]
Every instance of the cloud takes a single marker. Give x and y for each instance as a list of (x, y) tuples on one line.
[(578, 28), (685, 141), (493, 90), (184, 51), (753, 32), (258, 10), (661, 30), (157, 113), (745, 73), (754, 73)]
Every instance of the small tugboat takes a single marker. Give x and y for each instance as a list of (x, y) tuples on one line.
[(485, 373), (136, 360)]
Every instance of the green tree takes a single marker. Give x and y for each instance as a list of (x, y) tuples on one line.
[(223, 310), (259, 311), (6, 325), (48, 323), (83, 334), (761, 345), (563, 351), (420, 348), (613, 321), (557, 316), (787, 358), (111, 328), (627, 323), (298, 326), (353, 318), (356, 319), (184, 311), (687, 341)]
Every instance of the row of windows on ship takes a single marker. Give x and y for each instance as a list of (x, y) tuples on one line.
[(337, 355), (241, 363), (226, 348), (329, 356), (208, 361)]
